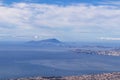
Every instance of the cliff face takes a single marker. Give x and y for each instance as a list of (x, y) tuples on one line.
[(105, 76)]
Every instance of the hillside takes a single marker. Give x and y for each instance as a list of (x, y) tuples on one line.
[(104, 76), (46, 43), (53, 40)]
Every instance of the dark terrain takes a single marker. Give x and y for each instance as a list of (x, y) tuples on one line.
[(104, 76)]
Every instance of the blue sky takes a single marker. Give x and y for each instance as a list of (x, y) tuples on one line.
[(67, 20), (60, 2), (53, 1)]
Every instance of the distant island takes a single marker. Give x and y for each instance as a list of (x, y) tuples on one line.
[(53, 40)]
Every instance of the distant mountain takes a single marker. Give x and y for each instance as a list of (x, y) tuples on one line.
[(47, 43), (51, 40)]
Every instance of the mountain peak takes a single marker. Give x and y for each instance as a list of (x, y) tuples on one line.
[(52, 40)]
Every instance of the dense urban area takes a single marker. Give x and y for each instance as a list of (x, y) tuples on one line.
[(104, 76), (110, 52)]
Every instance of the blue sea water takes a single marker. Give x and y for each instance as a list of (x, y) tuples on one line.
[(15, 63)]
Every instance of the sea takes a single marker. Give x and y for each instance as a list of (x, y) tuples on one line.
[(20, 62)]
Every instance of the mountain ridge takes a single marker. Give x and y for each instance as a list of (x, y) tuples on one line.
[(51, 40)]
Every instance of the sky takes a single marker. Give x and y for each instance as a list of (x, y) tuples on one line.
[(67, 20)]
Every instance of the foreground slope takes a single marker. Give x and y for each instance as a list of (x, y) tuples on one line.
[(104, 76)]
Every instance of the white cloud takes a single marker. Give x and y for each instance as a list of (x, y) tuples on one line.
[(58, 21), (110, 38)]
